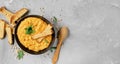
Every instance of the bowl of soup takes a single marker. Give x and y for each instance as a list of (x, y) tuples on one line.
[(34, 34)]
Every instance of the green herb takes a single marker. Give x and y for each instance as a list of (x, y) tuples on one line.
[(20, 54), (55, 19), (29, 30), (46, 40), (52, 48)]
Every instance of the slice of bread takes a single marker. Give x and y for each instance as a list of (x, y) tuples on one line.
[(18, 15), (40, 39), (9, 34), (6, 13), (2, 29), (47, 31)]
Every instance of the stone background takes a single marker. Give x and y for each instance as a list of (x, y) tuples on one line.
[(94, 31)]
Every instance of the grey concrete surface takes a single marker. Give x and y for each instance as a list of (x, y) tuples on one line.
[(94, 31)]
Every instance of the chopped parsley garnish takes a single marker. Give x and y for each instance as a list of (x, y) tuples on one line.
[(20, 54), (55, 19), (52, 48), (29, 30)]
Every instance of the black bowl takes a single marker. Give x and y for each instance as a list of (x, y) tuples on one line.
[(26, 49)]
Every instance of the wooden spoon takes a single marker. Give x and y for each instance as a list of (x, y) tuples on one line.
[(63, 33)]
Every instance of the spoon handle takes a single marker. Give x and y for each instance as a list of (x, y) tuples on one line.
[(56, 53)]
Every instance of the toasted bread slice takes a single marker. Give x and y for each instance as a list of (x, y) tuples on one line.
[(5, 12), (9, 34), (2, 29), (18, 15), (40, 39), (47, 31)]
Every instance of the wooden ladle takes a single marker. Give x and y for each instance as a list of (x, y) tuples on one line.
[(62, 35)]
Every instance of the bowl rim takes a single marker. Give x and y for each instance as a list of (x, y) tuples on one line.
[(26, 49)]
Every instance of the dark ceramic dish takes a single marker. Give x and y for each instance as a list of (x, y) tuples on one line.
[(26, 49)]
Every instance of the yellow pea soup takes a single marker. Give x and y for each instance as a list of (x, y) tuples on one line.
[(34, 26)]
